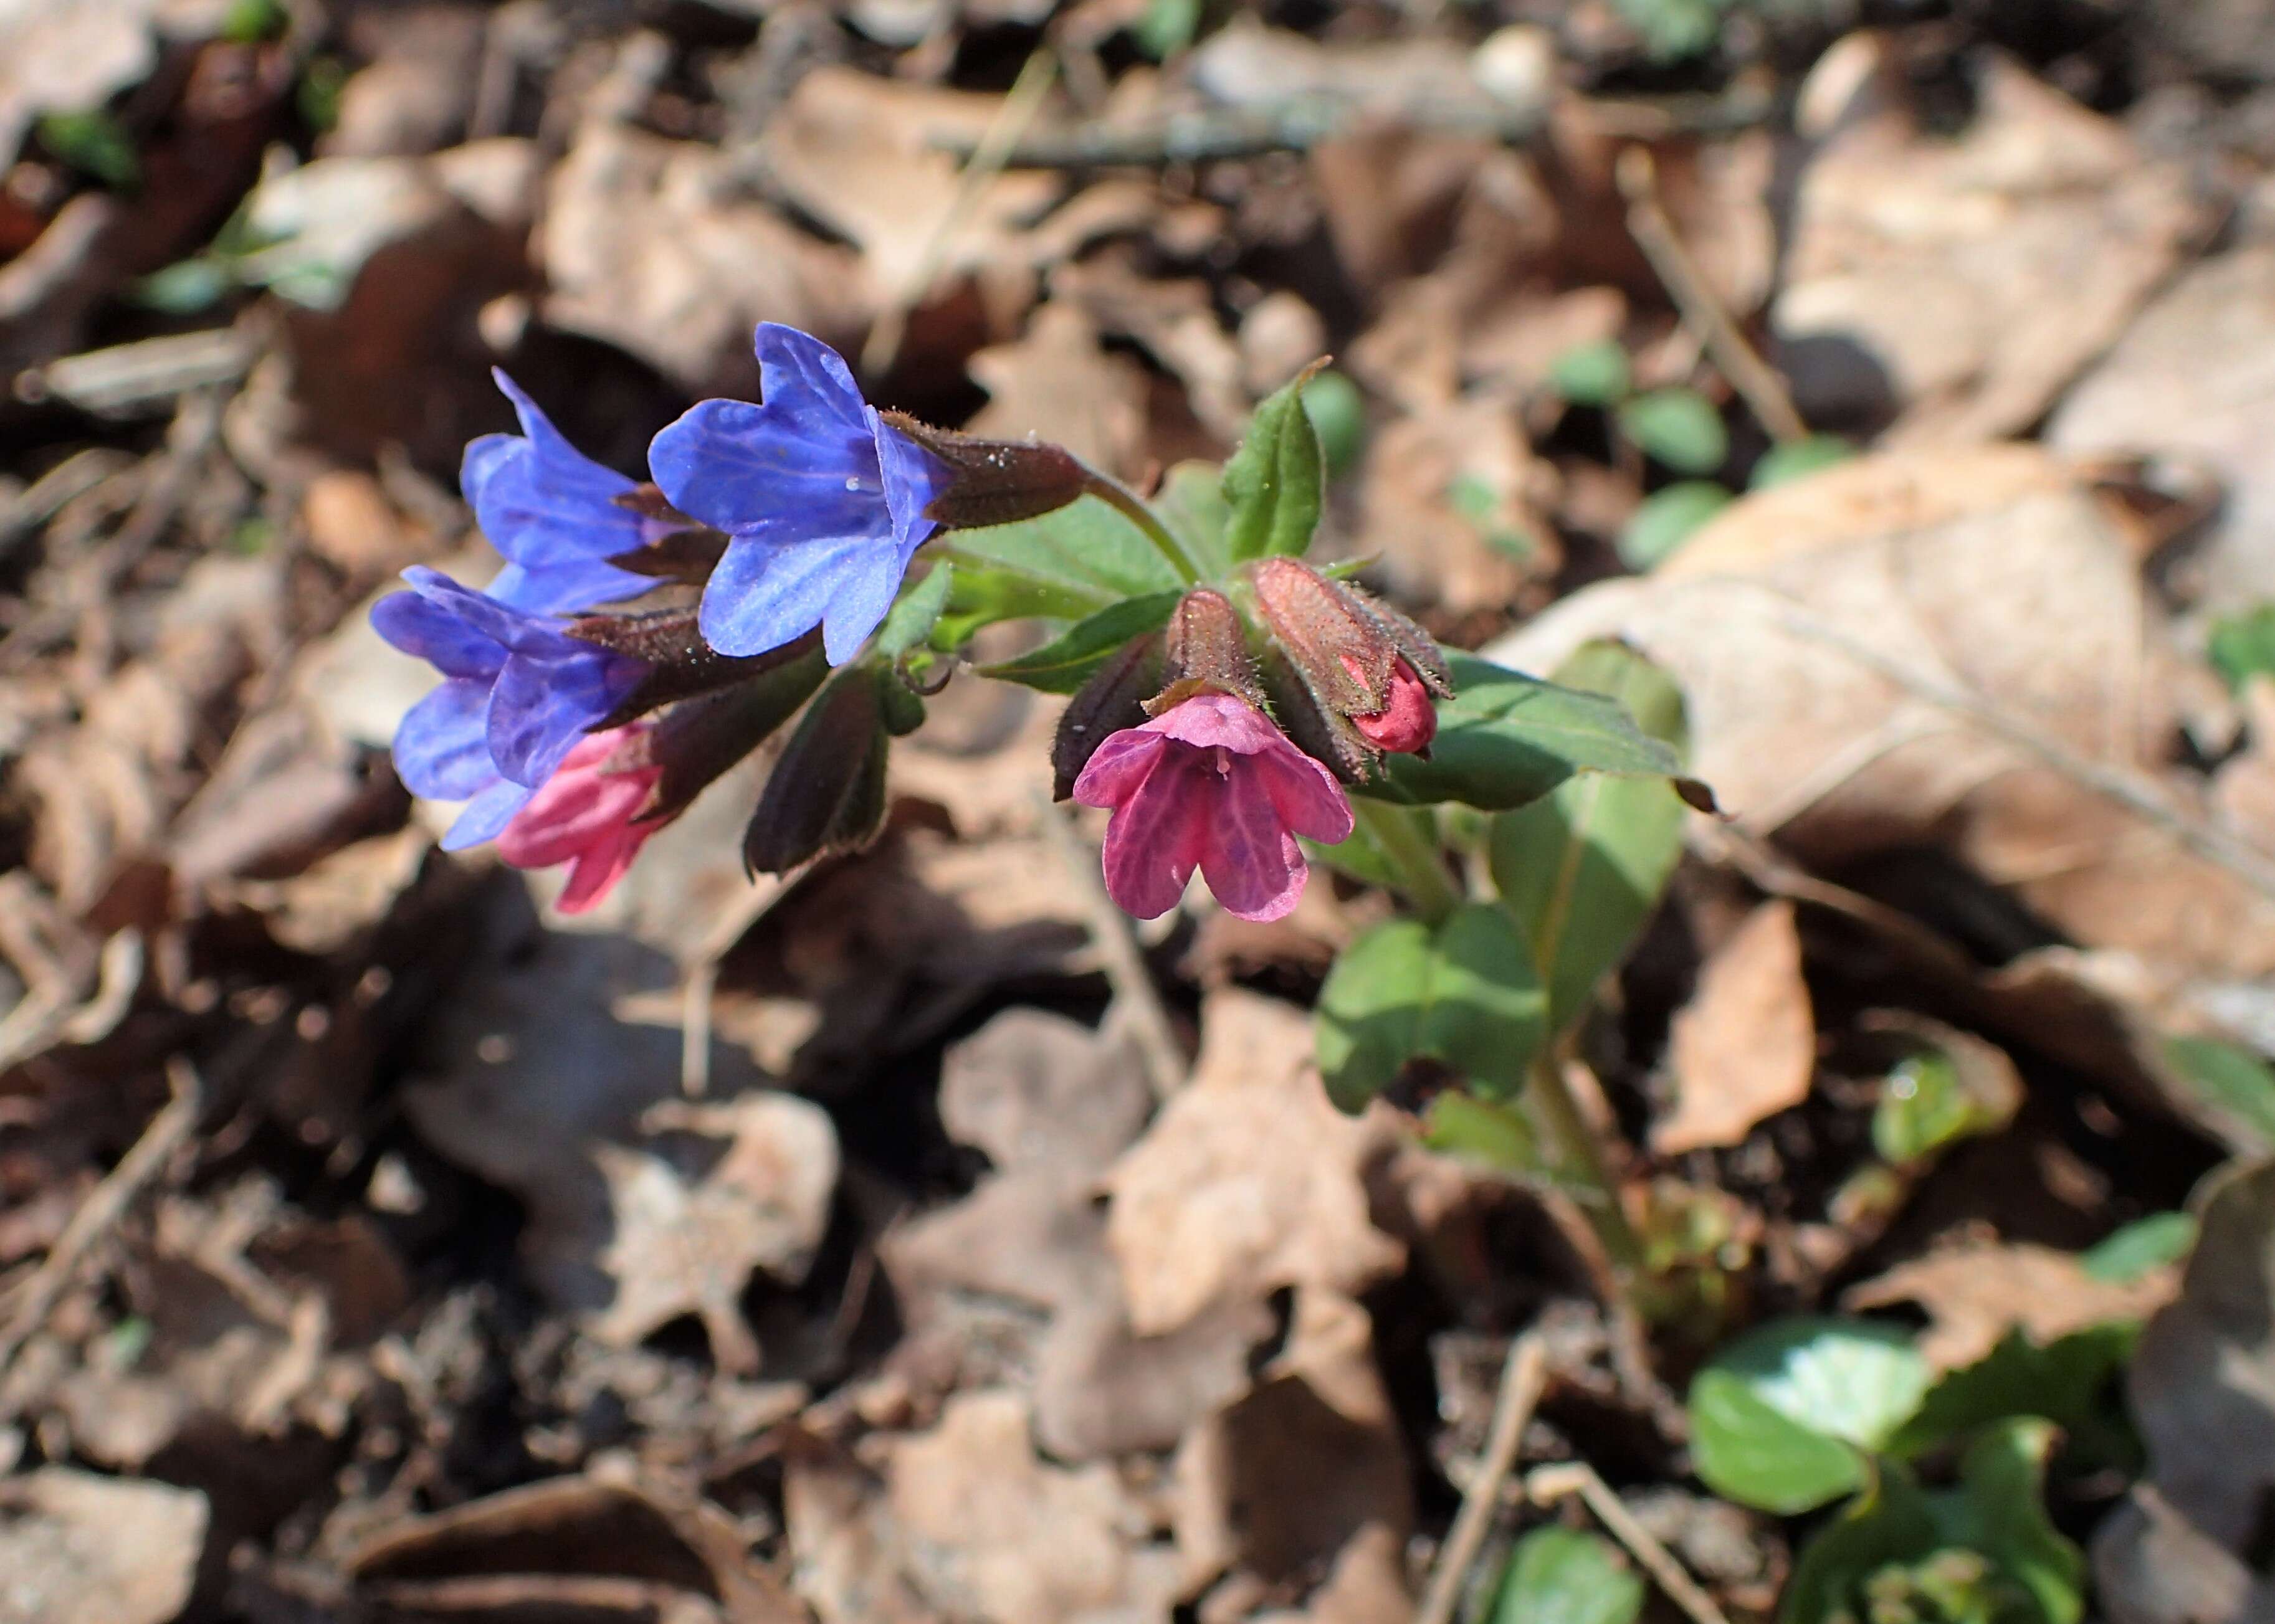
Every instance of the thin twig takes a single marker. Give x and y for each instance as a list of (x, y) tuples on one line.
[(1136, 1000), (1523, 1379), (702, 982), (169, 1131), (986, 161), (1754, 379), (1548, 1484), (2136, 795)]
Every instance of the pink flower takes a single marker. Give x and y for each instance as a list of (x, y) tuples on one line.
[(1407, 720), (583, 815), (1209, 783)]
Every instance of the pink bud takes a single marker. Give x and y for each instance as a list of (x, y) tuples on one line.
[(1408, 721), (1209, 783), (584, 815)]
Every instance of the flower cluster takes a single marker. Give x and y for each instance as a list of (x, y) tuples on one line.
[(771, 546)]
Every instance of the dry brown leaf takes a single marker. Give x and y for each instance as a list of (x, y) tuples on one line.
[(1962, 281), (1745, 1047), (1976, 1293), (1997, 572), (65, 57), (79, 1549), (2190, 379), (1249, 1179), (990, 1532), (1057, 383), (644, 243), (1451, 509)]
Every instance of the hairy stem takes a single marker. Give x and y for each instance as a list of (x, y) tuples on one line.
[(1122, 497), (1421, 871)]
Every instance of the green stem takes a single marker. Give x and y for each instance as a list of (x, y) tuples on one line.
[(1580, 1160), (1414, 854), (1164, 542)]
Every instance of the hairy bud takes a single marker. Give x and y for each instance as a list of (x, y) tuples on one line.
[(826, 794), (1368, 672), (995, 482), (681, 665), (1205, 648), (1113, 699), (697, 743)]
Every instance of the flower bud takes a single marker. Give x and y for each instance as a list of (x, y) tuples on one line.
[(826, 793), (1206, 646), (1113, 699), (1368, 670), (698, 742)]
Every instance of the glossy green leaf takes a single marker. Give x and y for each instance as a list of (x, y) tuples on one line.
[(1504, 740), (1889, 1522), (2000, 1510), (1664, 520), (1560, 1576), (1747, 1450), (1679, 427), (1797, 458), (1583, 867), (1273, 482), (2233, 1085), (918, 609), (1838, 1386), (1596, 374), (1464, 995), (1082, 557), (2125, 1254), (2242, 646), (1067, 660)]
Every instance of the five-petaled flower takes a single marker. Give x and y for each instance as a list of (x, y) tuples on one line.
[(822, 500), (517, 696), (587, 815), (553, 511), (1209, 783)]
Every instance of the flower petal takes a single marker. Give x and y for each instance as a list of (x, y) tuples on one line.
[(514, 630), (540, 708), (564, 589), (858, 606), (431, 632), (1155, 839), (912, 478), (737, 467), (764, 594), (807, 381), (1249, 861), (1118, 767), (593, 875), (485, 817), (441, 745), (1304, 794), (1218, 719)]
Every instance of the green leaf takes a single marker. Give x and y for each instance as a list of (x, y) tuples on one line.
[(911, 618), (317, 96), (1359, 856), (1583, 867), (1167, 26), (1782, 464), (1081, 558), (1191, 503), (2126, 1254), (1664, 520), (1338, 411), (1931, 1100), (1889, 1522), (1273, 481), (1748, 1451), (1499, 1135), (94, 143), (1464, 995), (1067, 660), (1679, 427), (2073, 1380), (248, 22), (2233, 1085), (1560, 1576), (1596, 374), (2000, 1510), (2242, 646), (1780, 1417), (1504, 740), (185, 287)]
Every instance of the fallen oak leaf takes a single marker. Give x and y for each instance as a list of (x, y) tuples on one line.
[(1744, 1049), (1976, 1293)]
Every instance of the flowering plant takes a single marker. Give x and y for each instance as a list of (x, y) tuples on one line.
[(812, 566)]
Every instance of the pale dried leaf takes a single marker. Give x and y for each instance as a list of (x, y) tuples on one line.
[(1976, 1293), (79, 1549), (1248, 1180), (1745, 1047)]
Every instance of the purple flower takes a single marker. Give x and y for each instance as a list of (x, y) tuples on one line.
[(552, 510), (823, 502), (518, 695), (1210, 783)]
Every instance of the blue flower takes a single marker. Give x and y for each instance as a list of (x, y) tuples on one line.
[(518, 695), (822, 501), (552, 511)]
